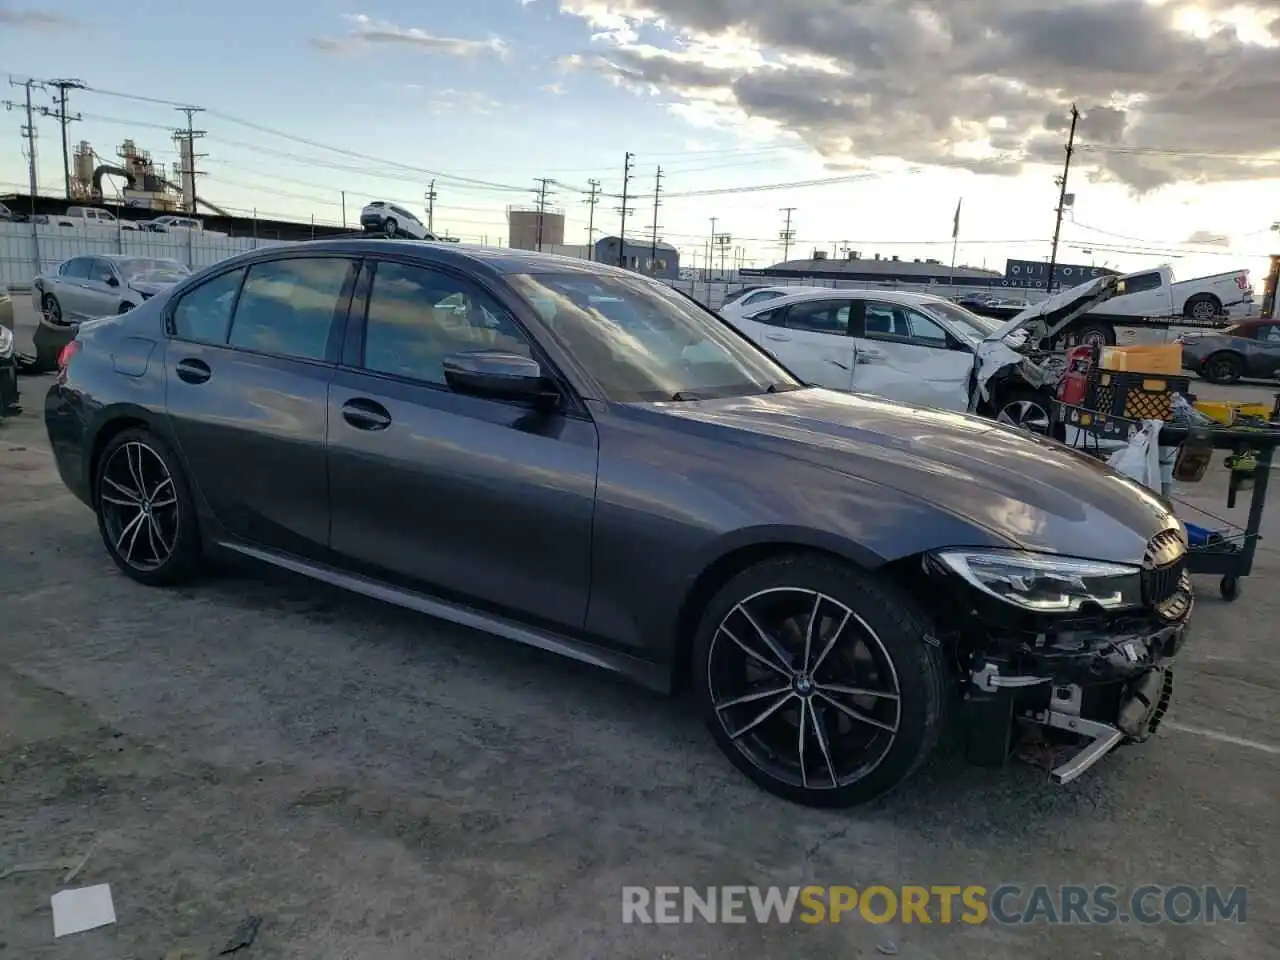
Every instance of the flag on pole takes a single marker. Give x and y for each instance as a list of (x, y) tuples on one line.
[(955, 226)]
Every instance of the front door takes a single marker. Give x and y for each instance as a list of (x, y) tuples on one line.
[(904, 355), (101, 299), (810, 338), (484, 500), (248, 371)]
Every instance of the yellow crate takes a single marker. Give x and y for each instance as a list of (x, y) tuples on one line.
[(1227, 413), (1163, 358)]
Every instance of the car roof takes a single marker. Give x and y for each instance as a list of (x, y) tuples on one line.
[(494, 260), (903, 297)]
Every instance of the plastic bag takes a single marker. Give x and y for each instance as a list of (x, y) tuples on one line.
[(1140, 459)]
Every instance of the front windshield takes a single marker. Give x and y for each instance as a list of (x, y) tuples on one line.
[(153, 271), (970, 324), (644, 342)]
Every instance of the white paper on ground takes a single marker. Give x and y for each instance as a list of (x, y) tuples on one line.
[(83, 908)]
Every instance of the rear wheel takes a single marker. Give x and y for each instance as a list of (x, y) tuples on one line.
[(146, 515), (1026, 410), (1223, 368), (1203, 306), (818, 681)]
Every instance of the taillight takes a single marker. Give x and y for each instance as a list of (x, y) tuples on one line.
[(66, 354)]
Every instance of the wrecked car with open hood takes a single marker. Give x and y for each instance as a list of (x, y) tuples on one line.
[(925, 350)]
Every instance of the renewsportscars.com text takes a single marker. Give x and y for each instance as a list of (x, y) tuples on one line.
[(940, 904)]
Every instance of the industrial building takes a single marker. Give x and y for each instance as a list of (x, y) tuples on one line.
[(661, 260), (529, 228)]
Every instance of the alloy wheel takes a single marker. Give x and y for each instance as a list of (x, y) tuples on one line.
[(1026, 415), (804, 688), (1203, 310), (52, 309), (139, 506)]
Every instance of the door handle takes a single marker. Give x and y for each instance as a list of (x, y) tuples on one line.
[(193, 371), (364, 414), (777, 336)]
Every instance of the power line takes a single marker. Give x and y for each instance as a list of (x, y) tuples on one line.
[(622, 226)]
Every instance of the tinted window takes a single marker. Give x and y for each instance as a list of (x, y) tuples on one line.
[(418, 317), (288, 306), (77, 269), (404, 213), (772, 317), (1142, 283), (1269, 333), (889, 321), (100, 271), (761, 295), (204, 314), (820, 316)]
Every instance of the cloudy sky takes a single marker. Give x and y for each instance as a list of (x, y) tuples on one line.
[(880, 114)]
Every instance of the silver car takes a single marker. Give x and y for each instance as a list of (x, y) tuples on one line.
[(86, 287)]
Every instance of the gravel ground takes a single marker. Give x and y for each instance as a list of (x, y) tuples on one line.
[(376, 785)]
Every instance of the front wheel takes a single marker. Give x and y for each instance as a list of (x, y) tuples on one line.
[(146, 514), (1026, 410), (820, 682), (52, 309)]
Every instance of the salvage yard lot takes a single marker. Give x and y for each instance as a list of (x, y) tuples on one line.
[(375, 784)]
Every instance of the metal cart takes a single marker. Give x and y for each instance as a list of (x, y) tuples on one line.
[(1231, 559)]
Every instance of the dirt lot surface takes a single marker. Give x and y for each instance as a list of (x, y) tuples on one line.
[(375, 785)]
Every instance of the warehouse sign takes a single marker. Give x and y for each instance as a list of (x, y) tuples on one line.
[(1034, 273)]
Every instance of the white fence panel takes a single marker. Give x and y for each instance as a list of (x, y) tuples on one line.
[(27, 250)]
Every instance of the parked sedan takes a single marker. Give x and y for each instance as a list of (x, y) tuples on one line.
[(581, 459), (1249, 349), (85, 287)]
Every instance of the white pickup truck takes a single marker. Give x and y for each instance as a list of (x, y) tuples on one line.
[(1157, 294), (172, 224)]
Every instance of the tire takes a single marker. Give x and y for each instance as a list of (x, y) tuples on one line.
[(124, 308), (170, 522), (1203, 306), (52, 309), (761, 734), (1229, 588), (1224, 367), (1027, 410), (390, 227), (1089, 334)]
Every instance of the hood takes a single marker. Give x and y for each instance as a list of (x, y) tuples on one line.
[(1065, 305), (1034, 493)]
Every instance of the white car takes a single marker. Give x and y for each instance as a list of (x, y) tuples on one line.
[(393, 220), (750, 300), (919, 349)]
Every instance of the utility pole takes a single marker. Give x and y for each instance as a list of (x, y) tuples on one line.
[(622, 227), (431, 206), (1062, 199), (592, 199), (187, 152), (787, 235), (711, 247), (62, 86), (542, 206), (723, 242), (657, 202), (344, 209), (29, 132)]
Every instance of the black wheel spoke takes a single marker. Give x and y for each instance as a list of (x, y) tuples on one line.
[(824, 747), (831, 641), (763, 716), (858, 715), (854, 691), (750, 697), (808, 632), (132, 497), (800, 728), (780, 654), (758, 657), (137, 494)]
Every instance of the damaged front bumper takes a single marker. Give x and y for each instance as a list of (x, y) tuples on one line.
[(1079, 690)]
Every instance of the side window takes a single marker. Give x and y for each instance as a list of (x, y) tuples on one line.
[(77, 269), (204, 313), (771, 317), (1142, 283), (889, 321), (760, 296), (288, 306), (99, 271), (417, 317), (820, 316), (1269, 333), (924, 329)]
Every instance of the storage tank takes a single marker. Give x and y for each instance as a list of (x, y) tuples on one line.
[(523, 227)]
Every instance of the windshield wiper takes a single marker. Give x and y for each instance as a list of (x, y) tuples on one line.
[(681, 396)]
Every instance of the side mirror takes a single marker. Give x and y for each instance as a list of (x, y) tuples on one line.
[(113, 280), (500, 376)]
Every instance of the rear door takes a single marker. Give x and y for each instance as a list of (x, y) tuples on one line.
[(248, 370), (810, 338), (101, 299), (902, 354), (70, 287), (472, 497)]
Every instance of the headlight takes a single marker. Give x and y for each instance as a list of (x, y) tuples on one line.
[(6, 343), (1042, 583)]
